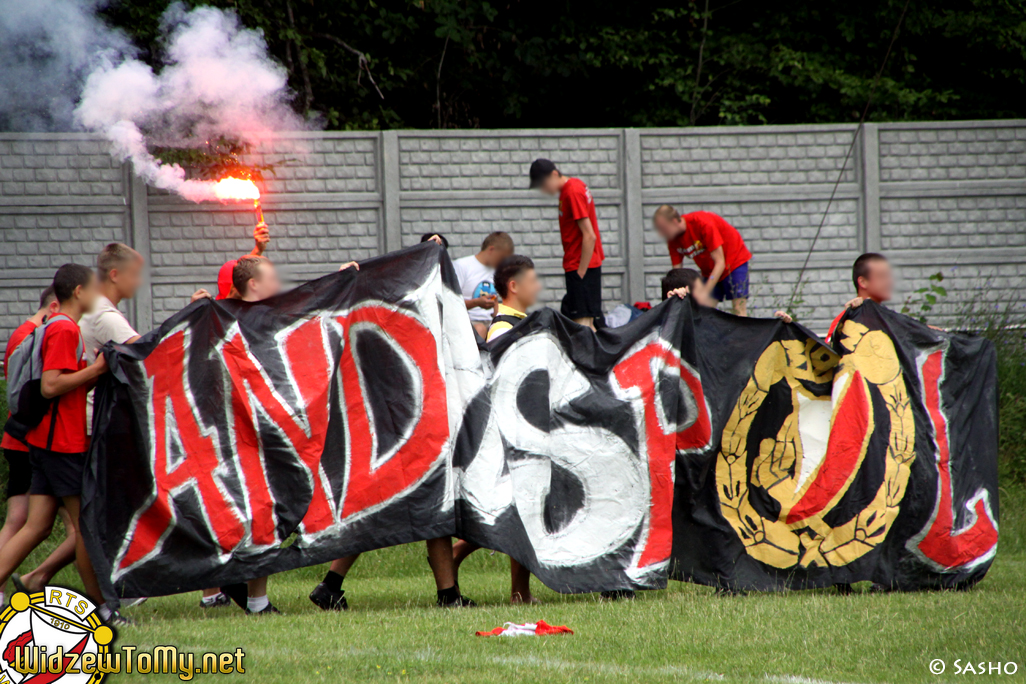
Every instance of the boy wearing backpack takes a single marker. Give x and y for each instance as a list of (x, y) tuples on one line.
[(58, 443)]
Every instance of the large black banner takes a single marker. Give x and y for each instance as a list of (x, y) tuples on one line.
[(360, 411)]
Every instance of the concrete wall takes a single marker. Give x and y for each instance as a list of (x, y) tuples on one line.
[(935, 197)]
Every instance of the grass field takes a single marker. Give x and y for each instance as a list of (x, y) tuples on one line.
[(393, 632)]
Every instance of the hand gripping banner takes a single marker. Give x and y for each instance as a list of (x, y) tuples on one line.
[(358, 411)]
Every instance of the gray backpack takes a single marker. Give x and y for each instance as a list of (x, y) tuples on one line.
[(25, 398)]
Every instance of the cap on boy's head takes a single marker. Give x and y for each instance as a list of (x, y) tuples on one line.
[(69, 277), (540, 170), (46, 296), (224, 279), (678, 278)]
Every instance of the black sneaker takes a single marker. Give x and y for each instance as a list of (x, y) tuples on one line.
[(460, 601), (220, 601), (619, 594), (119, 620), (269, 609), (237, 592), (326, 598)]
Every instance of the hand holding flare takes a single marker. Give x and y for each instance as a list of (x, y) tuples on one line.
[(230, 188)]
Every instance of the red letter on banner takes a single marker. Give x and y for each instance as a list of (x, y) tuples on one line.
[(640, 370), (166, 369), (304, 349), (942, 544), (369, 483)]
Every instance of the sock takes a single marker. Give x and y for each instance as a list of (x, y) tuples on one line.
[(333, 580), (255, 604), (1, 599), (210, 600), (104, 612), (450, 595)]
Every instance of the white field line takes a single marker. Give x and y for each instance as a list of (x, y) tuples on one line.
[(628, 671)]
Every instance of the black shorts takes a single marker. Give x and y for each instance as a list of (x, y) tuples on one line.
[(56, 474), (19, 472), (583, 297)]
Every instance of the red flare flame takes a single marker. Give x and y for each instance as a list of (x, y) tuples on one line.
[(236, 189)]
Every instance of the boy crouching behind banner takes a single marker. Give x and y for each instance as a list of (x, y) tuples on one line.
[(58, 443)]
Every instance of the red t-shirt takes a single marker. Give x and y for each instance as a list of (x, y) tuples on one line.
[(705, 232), (64, 350), (575, 203), (17, 337)]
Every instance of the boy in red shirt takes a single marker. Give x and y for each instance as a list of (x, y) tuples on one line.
[(20, 472), (715, 245), (58, 445), (872, 277), (582, 243)]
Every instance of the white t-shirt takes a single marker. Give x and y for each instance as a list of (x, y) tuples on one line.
[(476, 280), (105, 324)]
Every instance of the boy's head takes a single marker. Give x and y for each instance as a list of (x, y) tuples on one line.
[(496, 247), (677, 278), (545, 177), (517, 283), (255, 278), (121, 266), (48, 303), (75, 283), (872, 277), (427, 236), (668, 222)]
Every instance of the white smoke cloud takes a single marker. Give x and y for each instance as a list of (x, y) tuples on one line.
[(47, 48), (217, 81)]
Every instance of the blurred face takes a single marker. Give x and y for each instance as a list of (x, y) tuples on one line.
[(265, 285), (493, 256), (552, 184), (878, 284), (88, 293), (667, 228), (127, 278), (526, 287)]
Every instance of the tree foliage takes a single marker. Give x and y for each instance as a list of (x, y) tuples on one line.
[(512, 63)]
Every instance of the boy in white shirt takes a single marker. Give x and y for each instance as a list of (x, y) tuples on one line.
[(476, 274)]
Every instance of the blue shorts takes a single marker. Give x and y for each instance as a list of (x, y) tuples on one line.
[(733, 286)]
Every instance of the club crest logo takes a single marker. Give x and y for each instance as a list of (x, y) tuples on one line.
[(53, 635), (795, 499)]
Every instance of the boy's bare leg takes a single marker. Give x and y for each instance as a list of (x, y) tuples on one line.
[(257, 587), (460, 550), (588, 321), (342, 565), (17, 515), (63, 555), (440, 559), (739, 305), (520, 583), (42, 511), (82, 562)]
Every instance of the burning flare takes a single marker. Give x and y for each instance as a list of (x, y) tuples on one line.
[(236, 189)]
